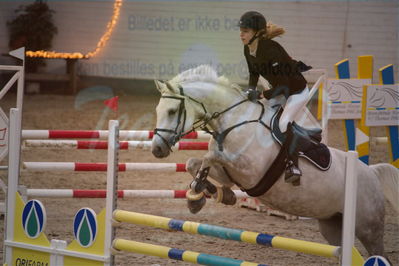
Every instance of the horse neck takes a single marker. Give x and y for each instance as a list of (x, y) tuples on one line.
[(213, 97), (245, 111), (217, 98)]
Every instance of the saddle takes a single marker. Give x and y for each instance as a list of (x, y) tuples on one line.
[(307, 141)]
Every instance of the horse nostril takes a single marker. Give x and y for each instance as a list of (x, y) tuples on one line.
[(157, 151)]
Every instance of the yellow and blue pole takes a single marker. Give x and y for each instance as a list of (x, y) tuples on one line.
[(342, 72), (365, 71), (386, 75), (306, 247), (178, 254)]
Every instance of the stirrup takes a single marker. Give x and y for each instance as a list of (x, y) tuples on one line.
[(292, 173)]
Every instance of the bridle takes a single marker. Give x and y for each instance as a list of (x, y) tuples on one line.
[(203, 122), (181, 117)]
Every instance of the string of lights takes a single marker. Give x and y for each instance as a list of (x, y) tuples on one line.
[(77, 55)]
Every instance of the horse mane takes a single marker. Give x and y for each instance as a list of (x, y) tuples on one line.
[(204, 73), (207, 74)]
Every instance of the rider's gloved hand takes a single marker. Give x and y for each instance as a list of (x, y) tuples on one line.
[(253, 95), (268, 94)]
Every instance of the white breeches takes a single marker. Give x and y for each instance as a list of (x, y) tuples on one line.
[(292, 107)]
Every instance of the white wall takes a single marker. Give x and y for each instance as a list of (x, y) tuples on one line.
[(318, 33)]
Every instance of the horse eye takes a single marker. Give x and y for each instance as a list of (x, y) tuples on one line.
[(172, 112)]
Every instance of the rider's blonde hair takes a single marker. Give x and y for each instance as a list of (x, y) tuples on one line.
[(272, 30)]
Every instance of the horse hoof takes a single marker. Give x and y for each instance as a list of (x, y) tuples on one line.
[(226, 196), (195, 202)]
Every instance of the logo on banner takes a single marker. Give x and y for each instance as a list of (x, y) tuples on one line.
[(85, 227), (382, 105), (33, 218), (345, 98), (376, 261)]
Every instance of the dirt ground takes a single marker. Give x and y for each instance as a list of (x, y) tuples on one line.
[(138, 112)]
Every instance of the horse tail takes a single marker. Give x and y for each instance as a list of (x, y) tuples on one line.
[(389, 178)]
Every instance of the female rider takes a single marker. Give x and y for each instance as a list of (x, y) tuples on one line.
[(267, 58)]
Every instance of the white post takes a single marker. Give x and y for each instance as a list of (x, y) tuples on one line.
[(112, 183), (14, 144), (55, 257), (324, 110), (20, 87), (349, 219)]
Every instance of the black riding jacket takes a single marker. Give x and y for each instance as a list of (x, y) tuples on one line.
[(277, 67)]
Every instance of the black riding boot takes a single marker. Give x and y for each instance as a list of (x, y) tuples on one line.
[(292, 171)]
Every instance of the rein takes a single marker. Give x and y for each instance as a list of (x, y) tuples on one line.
[(218, 136)]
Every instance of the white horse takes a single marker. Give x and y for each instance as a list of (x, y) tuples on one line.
[(199, 95)]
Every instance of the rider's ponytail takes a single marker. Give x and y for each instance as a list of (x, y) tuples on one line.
[(273, 30)]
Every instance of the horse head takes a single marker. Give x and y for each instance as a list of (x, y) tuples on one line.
[(175, 116)]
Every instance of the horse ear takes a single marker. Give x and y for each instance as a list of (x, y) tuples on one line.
[(163, 86), (158, 85), (170, 87)]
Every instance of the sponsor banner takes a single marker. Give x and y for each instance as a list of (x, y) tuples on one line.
[(345, 98), (382, 105)]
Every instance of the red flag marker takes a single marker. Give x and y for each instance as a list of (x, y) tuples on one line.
[(112, 103)]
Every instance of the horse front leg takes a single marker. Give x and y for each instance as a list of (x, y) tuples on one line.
[(196, 197), (200, 169)]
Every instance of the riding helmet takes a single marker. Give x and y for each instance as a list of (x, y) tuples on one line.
[(252, 20)]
